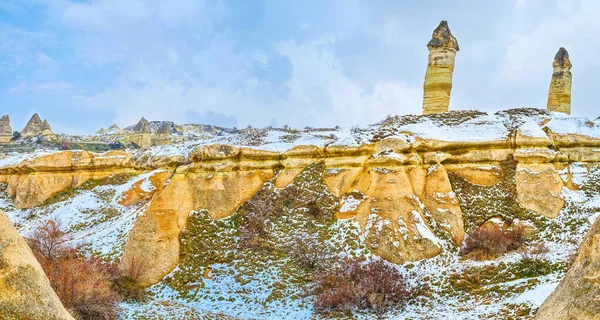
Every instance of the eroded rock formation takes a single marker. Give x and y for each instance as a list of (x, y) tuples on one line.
[(36, 127), (578, 294), (440, 68), (559, 94), (25, 292), (5, 129)]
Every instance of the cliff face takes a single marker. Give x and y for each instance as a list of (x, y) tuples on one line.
[(25, 292), (412, 186)]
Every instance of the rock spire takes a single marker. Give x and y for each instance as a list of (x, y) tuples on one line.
[(559, 94), (36, 127), (440, 67), (5, 129)]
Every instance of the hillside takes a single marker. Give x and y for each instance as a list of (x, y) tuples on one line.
[(409, 189)]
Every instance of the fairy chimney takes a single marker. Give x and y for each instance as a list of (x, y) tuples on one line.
[(440, 67), (559, 94)]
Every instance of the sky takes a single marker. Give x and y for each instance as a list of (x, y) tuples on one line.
[(84, 65)]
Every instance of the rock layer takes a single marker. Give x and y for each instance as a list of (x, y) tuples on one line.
[(25, 292), (559, 94), (440, 68)]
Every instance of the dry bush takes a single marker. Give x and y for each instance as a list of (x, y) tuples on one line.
[(373, 285), (261, 209), (84, 285), (535, 253), (65, 144), (48, 240), (489, 242), (127, 282), (308, 252)]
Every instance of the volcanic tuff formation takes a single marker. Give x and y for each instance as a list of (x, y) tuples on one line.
[(36, 127), (578, 295), (440, 67), (25, 292), (559, 94), (5, 129)]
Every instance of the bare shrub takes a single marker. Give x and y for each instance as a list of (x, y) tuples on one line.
[(127, 283), (535, 253), (307, 252), (84, 285), (49, 240), (490, 241), (261, 209), (373, 285), (65, 144)]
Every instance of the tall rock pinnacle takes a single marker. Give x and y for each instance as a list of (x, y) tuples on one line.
[(5, 129), (559, 94), (440, 67)]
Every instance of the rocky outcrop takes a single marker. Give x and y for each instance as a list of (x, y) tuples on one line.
[(440, 68), (559, 94), (36, 127), (5, 129), (35, 179), (25, 292), (578, 294)]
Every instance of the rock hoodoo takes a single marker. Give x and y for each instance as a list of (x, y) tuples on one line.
[(25, 292), (5, 129), (440, 67), (559, 94), (36, 127)]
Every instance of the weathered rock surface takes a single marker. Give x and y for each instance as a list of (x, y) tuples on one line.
[(33, 181), (559, 94), (578, 294), (5, 129), (440, 68), (36, 127), (539, 188), (25, 292)]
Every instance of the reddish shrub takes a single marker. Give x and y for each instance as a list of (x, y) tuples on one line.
[(127, 283), (84, 285), (490, 241), (373, 285), (65, 144)]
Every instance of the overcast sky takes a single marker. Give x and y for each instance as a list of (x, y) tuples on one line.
[(88, 64)]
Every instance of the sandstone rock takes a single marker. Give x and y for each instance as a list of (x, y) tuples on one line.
[(539, 188), (483, 175), (5, 129), (438, 78), (143, 126), (392, 219), (559, 94), (154, 237), (25, 292), (578, 294), (36, 127), (141, 192), (443, 204)]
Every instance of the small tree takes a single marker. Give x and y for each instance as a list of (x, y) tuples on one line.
[(49, 240), (16, 135)]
